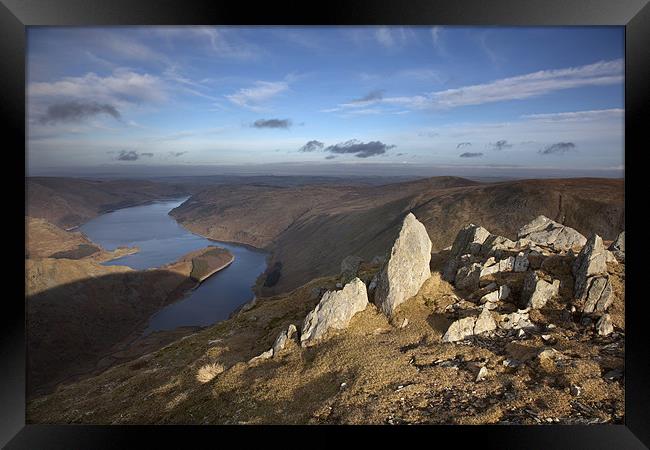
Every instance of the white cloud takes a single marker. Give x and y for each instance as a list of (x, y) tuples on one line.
[(577, 116), (253, 97), (518, 87), (393, 37), (122, 86)]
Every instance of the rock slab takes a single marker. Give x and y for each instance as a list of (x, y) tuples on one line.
[(407, 267)]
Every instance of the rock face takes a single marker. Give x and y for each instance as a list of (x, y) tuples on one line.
[(618, 247), (350, 267), (545, 231), (335, 310), (407, 267), (598, 295), (282, 339), (536, 292), (469, 326), (590, 273)]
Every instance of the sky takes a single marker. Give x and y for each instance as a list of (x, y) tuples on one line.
[(540, 101)]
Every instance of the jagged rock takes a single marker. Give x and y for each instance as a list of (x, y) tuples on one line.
[(618, 247), (335, 310), (468, 277), (482, 374), (604, 326), (469, 326), (521, 263), (516, 320), (491, 299), (407, 267), (495, 245), (536, 292), (485, 322), (591, 261), (598, 295), (469, 240), (504, 265), (350, 267), (460, 330), (547, 232), (282, 339), (266, 355)]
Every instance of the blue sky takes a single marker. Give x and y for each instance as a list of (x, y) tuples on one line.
[(540, 99)]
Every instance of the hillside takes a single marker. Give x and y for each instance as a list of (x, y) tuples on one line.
[(551, 365), (80, 313), (69, 202), (310, 229)]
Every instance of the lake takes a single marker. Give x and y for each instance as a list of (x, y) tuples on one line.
[(161, 241)]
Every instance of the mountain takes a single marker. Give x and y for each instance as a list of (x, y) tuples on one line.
[(310, 229)]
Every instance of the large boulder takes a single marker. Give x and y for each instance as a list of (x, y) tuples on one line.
[(407, 267), (334, 311), (591, 261), (549, 233), (536, 292), (598, 295), (618, 247)]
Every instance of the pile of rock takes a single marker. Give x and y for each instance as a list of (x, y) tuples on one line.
[(478, 255)]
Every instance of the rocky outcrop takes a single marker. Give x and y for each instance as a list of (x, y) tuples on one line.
[(549, 233), (592, 286), (491, 299), (334, 311), (536, 291), (407, 267), (470, 326), (618, 247), (282, 339)]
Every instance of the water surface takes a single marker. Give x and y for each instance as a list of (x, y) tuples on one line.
[(161, 241)]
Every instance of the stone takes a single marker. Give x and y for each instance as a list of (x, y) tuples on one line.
[(291, 330), (485, 322), (469, 239), (407, 267), (521, 263), (460, 329), (405, 322), (547, 232), (266, 355), (490, 267), (604, 326), (482, 374), (469, 326), (282, 339), (490, 300), (618, 247), (496, 245), (598, 295), (591, 261), (468, 277), (536, 292), (334, 311), (516, 320), (350, 267)]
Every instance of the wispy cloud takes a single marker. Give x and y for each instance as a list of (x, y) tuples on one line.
[(177, 154), (577, 116), (464, 144), (393, 37), (253, 97), (557, 148), (272, 123), (128, 155), (520, 87), (370, 97)]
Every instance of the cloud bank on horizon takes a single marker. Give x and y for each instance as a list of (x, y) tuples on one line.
[(532, 98)]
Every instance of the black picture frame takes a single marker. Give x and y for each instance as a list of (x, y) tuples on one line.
[(15, 15)]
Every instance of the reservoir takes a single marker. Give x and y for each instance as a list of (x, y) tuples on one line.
[(161, 241)]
